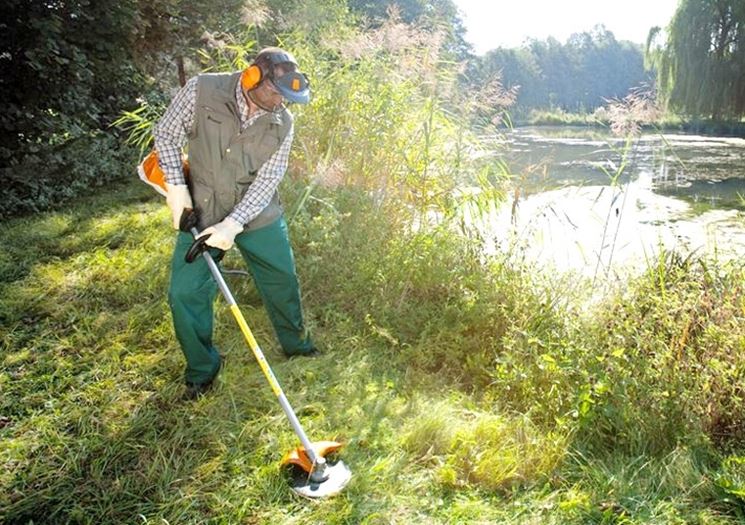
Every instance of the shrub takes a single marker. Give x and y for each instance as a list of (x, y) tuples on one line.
[(50, 178)]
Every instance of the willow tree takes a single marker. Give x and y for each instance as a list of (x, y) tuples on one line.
[(701, 66)]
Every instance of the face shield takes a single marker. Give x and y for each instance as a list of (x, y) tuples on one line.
[(293, 86)]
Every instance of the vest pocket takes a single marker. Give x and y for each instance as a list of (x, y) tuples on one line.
[(205, 204)]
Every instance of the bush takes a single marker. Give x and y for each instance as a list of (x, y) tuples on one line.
[(51, 176), (667, 364)]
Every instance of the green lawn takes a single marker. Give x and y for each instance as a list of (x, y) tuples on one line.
[(466, 390)]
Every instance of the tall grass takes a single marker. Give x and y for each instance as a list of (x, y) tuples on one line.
[(468, 389), (463, 392)]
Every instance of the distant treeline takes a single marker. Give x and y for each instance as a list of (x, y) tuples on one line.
[(694, 67), (577, 76)]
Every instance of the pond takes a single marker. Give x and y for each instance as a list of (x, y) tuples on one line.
[(580, 201)]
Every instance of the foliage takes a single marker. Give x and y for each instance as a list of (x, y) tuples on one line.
[(66, 71), (577, 76), (166, 30), (54, 57), (430, 15), (672, 349), (463, 396), (553, 118), (80, 166), (702, 62), (139, 123), (468, 389)]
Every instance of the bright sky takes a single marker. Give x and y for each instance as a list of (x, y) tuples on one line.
[(494, 23)]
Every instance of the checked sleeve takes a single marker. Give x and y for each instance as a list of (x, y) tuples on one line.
[(171, 132)]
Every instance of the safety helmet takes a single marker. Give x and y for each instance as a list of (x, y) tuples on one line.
[(292, 85)]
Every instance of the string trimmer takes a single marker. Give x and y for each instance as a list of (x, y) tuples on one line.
[(314, 477)]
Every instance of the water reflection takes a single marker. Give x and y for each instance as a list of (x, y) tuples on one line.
[(588, 204)]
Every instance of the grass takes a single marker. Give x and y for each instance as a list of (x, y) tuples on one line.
[(559, 117), (665, 122), (467, 391)]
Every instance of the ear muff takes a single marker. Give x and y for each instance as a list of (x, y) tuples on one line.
[(251, 77)]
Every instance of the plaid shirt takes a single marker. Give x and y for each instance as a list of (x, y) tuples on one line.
[(171, 135)]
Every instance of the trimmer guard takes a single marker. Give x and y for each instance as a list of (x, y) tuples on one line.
[(300, 458), (335, 475)]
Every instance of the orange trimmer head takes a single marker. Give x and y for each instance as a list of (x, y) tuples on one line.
[(319, 478)]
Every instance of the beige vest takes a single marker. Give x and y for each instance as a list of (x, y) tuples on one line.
[(223, 161)]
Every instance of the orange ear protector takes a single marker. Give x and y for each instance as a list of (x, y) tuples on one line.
[(251, 77), (292, 85)]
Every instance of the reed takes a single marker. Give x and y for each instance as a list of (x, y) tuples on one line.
[(468, 388)]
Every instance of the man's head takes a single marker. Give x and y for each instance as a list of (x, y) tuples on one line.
[(274, 77)]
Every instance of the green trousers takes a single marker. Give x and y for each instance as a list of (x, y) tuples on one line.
[(192, 292)]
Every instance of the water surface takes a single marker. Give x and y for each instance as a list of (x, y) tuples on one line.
[(580, 200)]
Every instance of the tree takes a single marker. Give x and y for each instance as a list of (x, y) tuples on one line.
[(701, 66), (578, 76), (517, 69), (606, 68), (64, 67), (166, 31), (430, 14)]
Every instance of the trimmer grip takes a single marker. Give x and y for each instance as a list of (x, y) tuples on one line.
[(196, 249), (188, 220), (188, 223)]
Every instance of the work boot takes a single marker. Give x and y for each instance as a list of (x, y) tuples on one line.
[(313, 352), (196, 390)]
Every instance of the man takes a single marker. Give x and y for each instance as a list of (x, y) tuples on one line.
[(239, 136)]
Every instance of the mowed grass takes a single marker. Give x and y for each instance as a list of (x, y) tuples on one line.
[(465, 390)]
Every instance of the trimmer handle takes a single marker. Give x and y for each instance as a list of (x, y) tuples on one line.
[(188, 223), (189, 219)]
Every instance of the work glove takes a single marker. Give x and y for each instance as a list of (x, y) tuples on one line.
[(178, 199), (222, 235)]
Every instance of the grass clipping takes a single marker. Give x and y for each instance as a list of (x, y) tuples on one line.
[(483, 450)]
